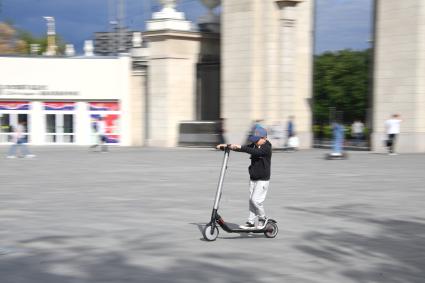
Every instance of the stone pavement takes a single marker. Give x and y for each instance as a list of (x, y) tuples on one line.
[(134, 215)]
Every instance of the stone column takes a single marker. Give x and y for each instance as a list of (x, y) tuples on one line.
[(295, 66), (399, 73), (287, 55)]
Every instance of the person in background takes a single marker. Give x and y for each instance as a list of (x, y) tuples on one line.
[(290, 126), (221, 131), (338, 136), (99, 128), (392, 127), (19, 139), (277, 134), (357, 129), (255, 124), (290, 129)]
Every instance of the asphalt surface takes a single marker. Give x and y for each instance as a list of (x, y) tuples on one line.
[(136, 214)]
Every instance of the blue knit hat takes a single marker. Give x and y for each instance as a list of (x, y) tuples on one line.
[(259, 133)]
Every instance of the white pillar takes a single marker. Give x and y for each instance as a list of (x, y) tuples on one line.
[(125, 107), (82, 124), (37, 123)]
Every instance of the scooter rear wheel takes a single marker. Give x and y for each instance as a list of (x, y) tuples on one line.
[(208, 235), (271, 230)]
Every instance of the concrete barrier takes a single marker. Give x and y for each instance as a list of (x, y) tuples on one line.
[(199, 133)]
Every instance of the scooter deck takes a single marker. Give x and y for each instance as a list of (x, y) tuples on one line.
[(227, 227)]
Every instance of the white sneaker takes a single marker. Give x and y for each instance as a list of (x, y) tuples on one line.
[(262, 223), (11, 156), (393, 153), (29, 156)]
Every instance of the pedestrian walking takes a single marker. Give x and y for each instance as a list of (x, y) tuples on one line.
[(357, 129), (338, 138), (255, 124), (392, 127), (99, 128), (221, 131), (19, 140)]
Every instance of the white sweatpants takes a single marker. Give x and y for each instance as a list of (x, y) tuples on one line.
[(257, 195)]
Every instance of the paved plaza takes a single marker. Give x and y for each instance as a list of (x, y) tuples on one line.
[(135, 215)]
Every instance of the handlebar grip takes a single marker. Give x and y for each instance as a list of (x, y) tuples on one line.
[(225, 147)]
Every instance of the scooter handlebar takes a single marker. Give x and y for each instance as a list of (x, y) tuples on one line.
[(225, 147)]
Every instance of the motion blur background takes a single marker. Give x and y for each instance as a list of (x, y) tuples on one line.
[(169, 73)]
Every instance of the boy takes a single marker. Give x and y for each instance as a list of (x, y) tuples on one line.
[(259, 173)]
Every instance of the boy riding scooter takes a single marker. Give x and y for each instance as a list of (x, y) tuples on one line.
[(259, 173)]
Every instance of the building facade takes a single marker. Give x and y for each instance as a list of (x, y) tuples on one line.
[(399, 76), (58, 99), (267, 52), (258, 67)]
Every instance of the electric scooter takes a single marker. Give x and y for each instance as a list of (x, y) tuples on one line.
[(210, 231)]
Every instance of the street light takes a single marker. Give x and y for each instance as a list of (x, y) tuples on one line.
[(51, 36)]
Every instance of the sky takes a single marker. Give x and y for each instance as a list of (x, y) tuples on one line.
[(340, 24)]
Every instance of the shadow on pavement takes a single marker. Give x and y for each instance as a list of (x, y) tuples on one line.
[(394, 253), (88, 264)]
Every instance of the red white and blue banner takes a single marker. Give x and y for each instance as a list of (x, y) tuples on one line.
[(14, 105), (59, 106), (104, 106), (111, 126)]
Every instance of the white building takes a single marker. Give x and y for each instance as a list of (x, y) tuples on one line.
[(59, 97)]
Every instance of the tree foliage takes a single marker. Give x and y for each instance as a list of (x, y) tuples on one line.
[(341, 82), (10, 43)]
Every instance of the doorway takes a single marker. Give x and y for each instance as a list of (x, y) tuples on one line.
[(60, 128)]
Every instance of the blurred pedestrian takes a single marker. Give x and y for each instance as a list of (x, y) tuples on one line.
[(255, 124), (290, 127), (100, 131), (338, 138), (277, 134), (19, 140), (221, 131), (357, 129), (392, 127), (290, 130)]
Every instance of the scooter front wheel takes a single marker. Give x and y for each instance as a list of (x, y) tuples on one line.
[(208, 234), (271, 230)]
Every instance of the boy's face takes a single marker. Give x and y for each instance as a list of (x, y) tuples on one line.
[(261, 141)]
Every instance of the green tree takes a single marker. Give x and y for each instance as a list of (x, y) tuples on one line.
[(10, 43), (341, 81)]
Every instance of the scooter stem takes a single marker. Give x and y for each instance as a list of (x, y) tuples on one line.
[(222, 173)]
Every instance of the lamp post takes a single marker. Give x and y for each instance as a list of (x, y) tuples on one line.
[(51, 36)]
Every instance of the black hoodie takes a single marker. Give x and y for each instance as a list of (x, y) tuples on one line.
[(260, 161)]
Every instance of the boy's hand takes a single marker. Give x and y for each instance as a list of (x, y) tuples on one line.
[(235, 146)]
